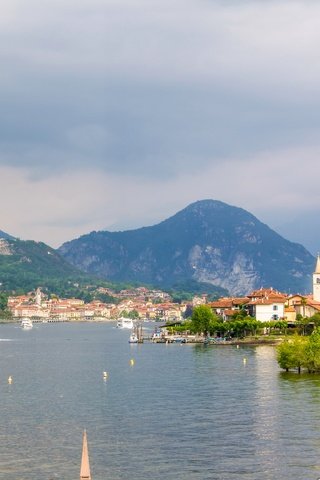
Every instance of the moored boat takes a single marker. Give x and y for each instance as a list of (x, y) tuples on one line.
[(125, 323), (26, 323), (133, 338)]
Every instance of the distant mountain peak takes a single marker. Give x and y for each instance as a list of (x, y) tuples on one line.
[(208, 241), (6, 236)]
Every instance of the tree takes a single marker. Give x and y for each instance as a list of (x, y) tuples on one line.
[(282, 325), (239, 314), (201, 318), (3, 301), (312, 352), (217, 326), (292, 353), (302, 323), (315, 319)]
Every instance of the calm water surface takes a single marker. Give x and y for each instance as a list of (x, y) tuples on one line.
[(180, 412)]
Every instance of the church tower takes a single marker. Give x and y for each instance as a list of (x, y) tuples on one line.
[(38, 297), (316, 281)]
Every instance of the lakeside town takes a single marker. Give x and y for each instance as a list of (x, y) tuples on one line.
[(264, 304)]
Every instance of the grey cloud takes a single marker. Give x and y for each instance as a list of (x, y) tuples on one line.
[(150, 89), (150, 130)]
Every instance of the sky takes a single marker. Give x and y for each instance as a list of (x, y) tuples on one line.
[(116, 114)]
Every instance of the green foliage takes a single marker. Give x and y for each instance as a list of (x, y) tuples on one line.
[(276, 327), (35, 264), (291, 353), (4, 312), (186, 326), (3, 301), (312, 352), (243, 326), (239, 314), (300, 352), (303, 324), (201, 318), (315, 319), (218, 327), (105, 298)]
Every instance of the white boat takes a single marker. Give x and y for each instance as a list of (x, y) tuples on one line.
[(26, 323), (133, 338), (125, 323)]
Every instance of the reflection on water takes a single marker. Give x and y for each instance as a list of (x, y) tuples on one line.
[(176, 412)]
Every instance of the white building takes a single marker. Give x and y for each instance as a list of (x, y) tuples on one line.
[(316, 281), (266, 304)]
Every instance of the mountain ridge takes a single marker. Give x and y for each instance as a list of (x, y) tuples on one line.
[(208, 241)]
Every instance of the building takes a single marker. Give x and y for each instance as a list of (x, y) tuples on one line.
[(266, 304), (316, 281), (226, 307), (308, 305)]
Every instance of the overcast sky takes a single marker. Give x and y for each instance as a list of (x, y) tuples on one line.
[(116, 114)]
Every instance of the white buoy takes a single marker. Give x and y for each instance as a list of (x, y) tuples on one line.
[(132, 362), (105, 375), (237, 346), (244, 360), (10, 380)]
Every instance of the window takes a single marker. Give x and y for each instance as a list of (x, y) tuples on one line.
[(275, 307)]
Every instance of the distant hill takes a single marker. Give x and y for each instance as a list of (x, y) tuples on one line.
[(25, 265), (208, 241)]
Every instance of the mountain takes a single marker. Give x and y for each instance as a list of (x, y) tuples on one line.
[(208, 241), (5, 235), (25, 265)]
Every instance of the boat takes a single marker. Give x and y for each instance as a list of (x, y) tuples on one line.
[(133, 338), (125, 323), (26, 323)]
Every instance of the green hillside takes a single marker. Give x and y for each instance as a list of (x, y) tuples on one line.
[(26, 265)]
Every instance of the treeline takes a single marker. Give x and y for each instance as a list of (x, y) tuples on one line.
[(204, 321), (300, 353)]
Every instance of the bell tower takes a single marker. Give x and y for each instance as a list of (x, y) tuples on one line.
[(316, 281)]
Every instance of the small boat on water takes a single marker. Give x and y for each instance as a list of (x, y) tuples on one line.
[(133, 338), (26, 324), (125, 323)]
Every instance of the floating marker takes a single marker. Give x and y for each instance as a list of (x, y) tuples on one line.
[(237, 346), (10, 380), (244, 360), (105, 375), (132, 362)]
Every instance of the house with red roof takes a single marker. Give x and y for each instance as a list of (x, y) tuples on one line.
[(266, 304), (308, 305)]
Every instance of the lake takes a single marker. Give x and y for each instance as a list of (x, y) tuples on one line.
[(174, 412)]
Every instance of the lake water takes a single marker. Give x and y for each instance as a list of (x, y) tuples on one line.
[(180, 412)]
